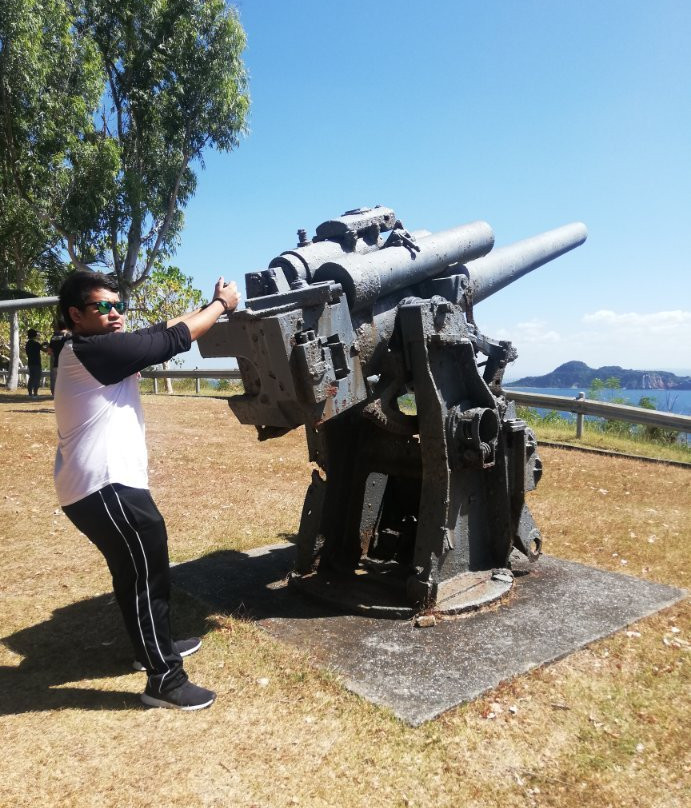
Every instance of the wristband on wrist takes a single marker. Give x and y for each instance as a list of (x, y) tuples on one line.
[(219, 300)]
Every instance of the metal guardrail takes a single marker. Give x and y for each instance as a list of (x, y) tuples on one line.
[(190, 374), (23, 373), (581, 406), (195, 374), (28, 303), (614, 412), (149, 374)]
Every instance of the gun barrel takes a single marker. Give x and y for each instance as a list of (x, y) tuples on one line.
[(28, 303), (506, 264), (367, 277)]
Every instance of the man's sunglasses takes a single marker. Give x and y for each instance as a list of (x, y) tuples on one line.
[(104, 306)]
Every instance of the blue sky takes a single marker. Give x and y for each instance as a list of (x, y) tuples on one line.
[(528, 114)]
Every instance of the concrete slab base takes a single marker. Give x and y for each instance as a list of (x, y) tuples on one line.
[(377, 593), (555, 608)]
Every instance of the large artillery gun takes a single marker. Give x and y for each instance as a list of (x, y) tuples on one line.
[(411, 508)]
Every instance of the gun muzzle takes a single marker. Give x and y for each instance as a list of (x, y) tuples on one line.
[(507, 264), (365, 278)]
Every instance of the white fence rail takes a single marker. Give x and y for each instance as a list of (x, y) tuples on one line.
[(23, 374), (581, 406), (614, 412)]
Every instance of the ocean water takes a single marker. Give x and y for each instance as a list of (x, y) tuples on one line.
[(676, 401)]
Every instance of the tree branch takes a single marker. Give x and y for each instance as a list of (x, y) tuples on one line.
[(170, 212), (69, 240)]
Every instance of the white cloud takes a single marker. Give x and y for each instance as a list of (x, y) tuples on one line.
[(537, 331), (653, 322), (642, 340), (528, 333)]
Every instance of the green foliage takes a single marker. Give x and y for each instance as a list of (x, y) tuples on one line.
[(604, 390), (105, 108), (176, 86), (596, 388), (657, 433), (631, 438), (50, 84), (40, 319), (167, 293)]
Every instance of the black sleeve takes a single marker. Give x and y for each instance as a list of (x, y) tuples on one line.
[(152, 329), (110, 358), (55, 345)]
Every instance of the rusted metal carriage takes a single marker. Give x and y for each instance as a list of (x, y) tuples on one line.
[(366, 335)]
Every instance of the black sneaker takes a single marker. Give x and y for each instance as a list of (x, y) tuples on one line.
[(183, 647), (185, 697)]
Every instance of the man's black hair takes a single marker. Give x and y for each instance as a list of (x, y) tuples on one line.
[(31, 333), (78, 286)]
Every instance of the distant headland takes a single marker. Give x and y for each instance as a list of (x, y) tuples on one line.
[(579, 375)]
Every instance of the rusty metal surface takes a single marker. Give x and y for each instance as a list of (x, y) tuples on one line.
[(365, 278), (554, 609), (382, 593), (336, 332)]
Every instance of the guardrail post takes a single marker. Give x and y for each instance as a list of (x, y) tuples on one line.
[(197, 383), (579, 417), (155, 386)]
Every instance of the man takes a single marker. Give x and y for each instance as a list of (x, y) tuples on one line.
[(33, 362), (101, 465)]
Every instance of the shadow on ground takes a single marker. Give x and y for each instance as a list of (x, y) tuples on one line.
[(86, 640), (32, 404), (82, 641), (249, 585), (557, 608)]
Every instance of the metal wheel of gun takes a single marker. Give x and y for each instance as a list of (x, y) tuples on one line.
[(101, 465), (409, 512)]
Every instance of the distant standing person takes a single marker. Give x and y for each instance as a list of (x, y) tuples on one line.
[(33, 361), (54, 347), (101, 465)]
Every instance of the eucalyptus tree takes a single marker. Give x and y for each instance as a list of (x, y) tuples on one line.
[(165, 294), (29, 264), (50, 83), (107, 109), (175, 86)]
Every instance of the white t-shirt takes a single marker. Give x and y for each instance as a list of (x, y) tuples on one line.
[(101, 433)]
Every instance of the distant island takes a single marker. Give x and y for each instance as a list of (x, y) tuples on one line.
[(579, 376)]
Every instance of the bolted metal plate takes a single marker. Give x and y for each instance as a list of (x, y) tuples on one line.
[(472, 590), (555, 608), (382, 593)]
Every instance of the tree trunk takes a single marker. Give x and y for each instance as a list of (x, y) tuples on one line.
[(13, 376), (169, 383)]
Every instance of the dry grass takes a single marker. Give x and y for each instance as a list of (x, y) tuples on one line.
[(562, 431), (608, 726)]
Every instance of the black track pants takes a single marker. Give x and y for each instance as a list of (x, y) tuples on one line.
[(126, 526), (34, 380)]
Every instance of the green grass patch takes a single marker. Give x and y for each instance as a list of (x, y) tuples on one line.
[(616, 436), (188, 387)]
